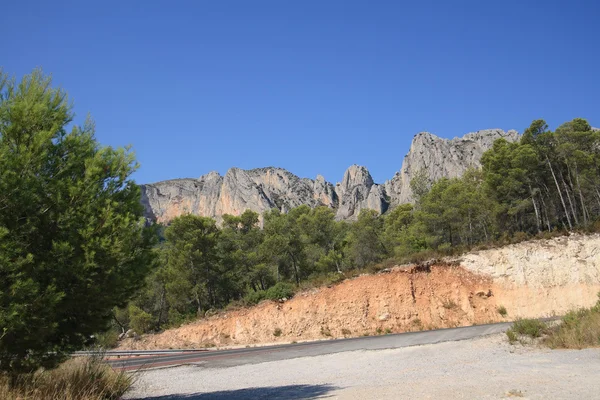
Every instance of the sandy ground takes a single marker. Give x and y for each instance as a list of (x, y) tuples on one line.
[(484, 368)]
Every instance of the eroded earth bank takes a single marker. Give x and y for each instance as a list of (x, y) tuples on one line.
[(530, 279)]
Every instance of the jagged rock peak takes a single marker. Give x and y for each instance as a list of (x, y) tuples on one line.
[(356, 175), (262, 189)]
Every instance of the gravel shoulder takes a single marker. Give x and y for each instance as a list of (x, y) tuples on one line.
[(483, 368)]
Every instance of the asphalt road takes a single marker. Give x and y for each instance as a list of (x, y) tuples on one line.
[(254, 355)]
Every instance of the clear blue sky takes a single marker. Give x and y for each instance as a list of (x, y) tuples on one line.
[(311, 86)]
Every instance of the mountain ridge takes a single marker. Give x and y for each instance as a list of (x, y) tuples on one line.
[(261, 189)]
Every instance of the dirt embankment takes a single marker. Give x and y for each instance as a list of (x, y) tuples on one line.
[(530, 279)]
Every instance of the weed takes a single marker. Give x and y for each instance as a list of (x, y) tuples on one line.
[(379, 331), (529, 327), (346, 332), (325, 331), (450, 305), (388, 331), (502, 311), (277, 332), (512, 336)]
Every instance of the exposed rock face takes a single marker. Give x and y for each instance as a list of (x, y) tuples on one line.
[(442, 158), (213, 195), (358, 191), (262, 189), (531, 279)]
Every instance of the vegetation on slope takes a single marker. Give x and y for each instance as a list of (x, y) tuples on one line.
[(544, 185), (578, 329)]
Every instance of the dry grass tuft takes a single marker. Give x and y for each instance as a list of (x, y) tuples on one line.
[(76, 379), (579, 329)]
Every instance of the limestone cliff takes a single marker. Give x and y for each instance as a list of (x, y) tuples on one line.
[(442, 158), (263, 189)]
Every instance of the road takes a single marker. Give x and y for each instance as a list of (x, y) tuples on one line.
[(254, 355)]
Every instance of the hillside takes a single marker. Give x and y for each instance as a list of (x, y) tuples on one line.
[(530, 279)]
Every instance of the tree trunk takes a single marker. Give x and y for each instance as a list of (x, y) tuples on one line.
[(546, 212), (537, 213), (583, 208), (161, 306), (562, 200), (295, 268), (570, 201)]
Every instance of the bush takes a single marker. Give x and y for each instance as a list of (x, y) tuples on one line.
[(76, 379), (449, 305), (531, 328), (254, 297), (512, 336), (579, 329), (108, 339), (277, 332), (502, 311), (140, 321), (281, 290), (325, 331)]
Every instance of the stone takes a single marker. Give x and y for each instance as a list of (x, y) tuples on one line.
[(384, 317)]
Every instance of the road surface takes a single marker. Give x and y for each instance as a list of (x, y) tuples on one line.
[(253, 355)]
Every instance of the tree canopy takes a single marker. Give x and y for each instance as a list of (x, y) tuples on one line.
[(73, 243)]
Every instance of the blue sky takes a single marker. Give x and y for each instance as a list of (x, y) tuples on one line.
[(311, 86)]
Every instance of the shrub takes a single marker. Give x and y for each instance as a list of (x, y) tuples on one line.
[(502, 311), (76, 379), (140, 320), (281, 290), (520, 237), (254, 297), (108, 339), (449, 305), (277, 332), (529, 327), (325, 331), (346, 332), (512, 336), (579, 329)]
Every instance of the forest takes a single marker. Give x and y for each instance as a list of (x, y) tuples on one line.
[(546, 184)]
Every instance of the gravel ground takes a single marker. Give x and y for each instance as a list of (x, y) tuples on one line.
[(484, 368)]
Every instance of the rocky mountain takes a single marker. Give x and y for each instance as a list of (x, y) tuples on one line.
[(440, 158), (263, 189)]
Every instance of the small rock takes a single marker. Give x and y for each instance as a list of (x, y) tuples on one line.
[(384, 317)]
